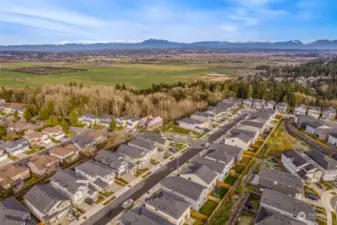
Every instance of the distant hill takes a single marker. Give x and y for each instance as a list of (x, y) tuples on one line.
[(164, 44)]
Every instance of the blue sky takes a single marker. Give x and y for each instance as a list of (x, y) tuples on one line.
[(60, 21)]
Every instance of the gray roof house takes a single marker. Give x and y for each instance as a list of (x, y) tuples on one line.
[(220, 156), (74, 186), (143, 144), (279, 181), (258, 103), (104, 120), (47, 203), (269, 105), (247, 102), (175, 208), (326, 164), (13, 213), (191, 192), (215, 165), (202, 116), (288, 206), (281, 107), (199, 174), (329, 113), (131, 152), (141, 215), (229, 149), (302, 120), (82, 141), (99, 176), (15, 147), (87, 118), (300, 109), (157, 139), (113, 160), (268, 217), (296, 164), (314, 111)]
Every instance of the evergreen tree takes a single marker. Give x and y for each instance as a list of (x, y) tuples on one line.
[(65, 125), (112, 124), (52, 121), (43, 114), (73, 115), (27, 115), (3, 130)]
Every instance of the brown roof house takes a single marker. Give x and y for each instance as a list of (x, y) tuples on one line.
[(38, 139), (65, 154), (13, 176), (43, 165), (18, 126), (55, 132)]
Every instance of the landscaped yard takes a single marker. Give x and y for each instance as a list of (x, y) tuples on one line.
[(32, 180), (219, 192), (208, 208), (179, 146), (238, 169), (246, 219), (230, 180)]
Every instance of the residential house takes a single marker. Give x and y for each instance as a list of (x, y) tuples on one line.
[(258, 103), (229, 149), (43, 165), (12, 212), (142, 215), (65, 154), (281, 107), (191, 192), (87, 119), (98, 135), (169, 206), (252, 125), (322, 133), (73, 185), (18, 126), (200, 174), (99, 176), (158, 139), (104, 120), (247, 103), (279, 181), (155, 123), (302, 120), (290, 207), (269, 105), (55, 132), (37, 138), (15, 147), (83, 142), (13, 176), (145, 145), (326, 164), (313, 125), (115, 161), (314, 111), (130, 122), (203, 116), (296, 164), (47, 204), (137, 157), (236, 102), (332, 139), (329, 113), (300, 109), (241, 138), (192, 124), (220, 166), (215, 112), (2, 101)]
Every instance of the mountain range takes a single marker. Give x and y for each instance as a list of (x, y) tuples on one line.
[(164, 44)]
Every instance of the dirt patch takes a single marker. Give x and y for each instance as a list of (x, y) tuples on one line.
[(215, 78)]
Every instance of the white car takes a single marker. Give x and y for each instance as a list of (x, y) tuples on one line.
[(70, 217), (127, 203)]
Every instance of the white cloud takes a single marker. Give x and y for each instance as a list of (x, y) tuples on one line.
[(229, 28), (250, 21)]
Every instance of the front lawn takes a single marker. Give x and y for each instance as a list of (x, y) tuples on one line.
[(179, 146), (208, 208), (230, 180)]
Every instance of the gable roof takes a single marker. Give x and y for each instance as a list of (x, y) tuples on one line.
[(326, 162), (183, 186), (220, 155), (287, 204), (268, 217), (43, 197), (230, 149), (295, 158), (12, 212), (191, 121), (154, 137), (69, 180), (168, 203), (201, 171), (141, 215), (142, 143), (215, 166), (93, 169)]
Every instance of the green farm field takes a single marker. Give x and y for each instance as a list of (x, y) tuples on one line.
[(134, 75)]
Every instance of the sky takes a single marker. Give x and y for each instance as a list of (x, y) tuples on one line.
[(89, 21)]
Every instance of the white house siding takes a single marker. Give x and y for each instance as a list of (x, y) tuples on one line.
[(332, 140)]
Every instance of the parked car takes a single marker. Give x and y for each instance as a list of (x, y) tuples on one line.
[(70, 217), (127, 203), (321, 186), (89, 201), (311, 196)]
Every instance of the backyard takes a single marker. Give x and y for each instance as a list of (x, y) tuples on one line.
[(208, 208)]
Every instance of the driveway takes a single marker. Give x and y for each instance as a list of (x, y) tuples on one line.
[(328, 201)]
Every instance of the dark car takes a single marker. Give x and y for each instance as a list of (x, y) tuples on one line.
[(311, 196), (89, 201)]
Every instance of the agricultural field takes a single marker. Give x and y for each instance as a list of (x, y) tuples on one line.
[(134, 75)]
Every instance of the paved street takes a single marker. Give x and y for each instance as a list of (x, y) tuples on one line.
[(115, 207)]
